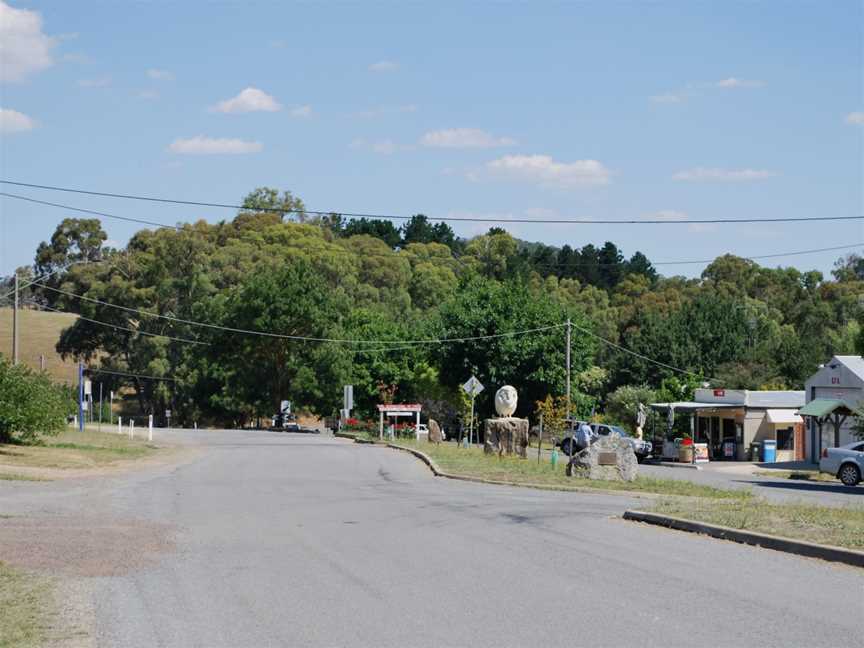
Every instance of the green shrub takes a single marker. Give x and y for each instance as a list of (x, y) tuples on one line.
[(30, 404)]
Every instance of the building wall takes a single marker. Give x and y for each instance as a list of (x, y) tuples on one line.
[(834, 381)]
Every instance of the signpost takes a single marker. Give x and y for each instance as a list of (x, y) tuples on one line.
[(472, 387), (168, 418)]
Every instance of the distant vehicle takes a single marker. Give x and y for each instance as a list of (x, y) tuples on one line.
[(641, 448), (846, 463)]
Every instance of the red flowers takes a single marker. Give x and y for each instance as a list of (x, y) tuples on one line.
[(687, 441)]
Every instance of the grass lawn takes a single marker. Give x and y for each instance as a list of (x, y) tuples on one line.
[(474, 463), (803, 475), (841, 527), (74, 449), (25, 602)]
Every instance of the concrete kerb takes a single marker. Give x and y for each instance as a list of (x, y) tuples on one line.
[(436, 470), (777, 543)]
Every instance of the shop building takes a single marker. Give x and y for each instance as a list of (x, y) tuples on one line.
[(731, 421), (835, 391)]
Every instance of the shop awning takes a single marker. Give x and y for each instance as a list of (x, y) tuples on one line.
[(783, 416), (824, 406)]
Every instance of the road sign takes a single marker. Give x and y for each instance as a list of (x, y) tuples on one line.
[(285, 407), (88, 388), (167, 413), (473, 387)]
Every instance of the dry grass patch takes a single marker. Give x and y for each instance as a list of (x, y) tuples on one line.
[(39, 332), (74, 449), (25, 606), (802, 475), (472, 462), (837, 526)]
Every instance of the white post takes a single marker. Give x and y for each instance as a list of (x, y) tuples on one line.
[(417, 426), (150, 428), (131, 428), (119, 425)]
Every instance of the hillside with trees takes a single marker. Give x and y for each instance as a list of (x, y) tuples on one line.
[(369, 299)]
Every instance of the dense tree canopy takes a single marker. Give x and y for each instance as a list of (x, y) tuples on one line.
[(276, 270)]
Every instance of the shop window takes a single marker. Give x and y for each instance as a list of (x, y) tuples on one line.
[(785, 439)]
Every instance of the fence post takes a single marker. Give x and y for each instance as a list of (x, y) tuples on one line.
[(150, 428), (131, 428), (119, 425)]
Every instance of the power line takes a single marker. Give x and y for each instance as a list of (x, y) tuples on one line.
[(87, 211), (131, 375), (302, 338), (117, 326), (634, 353), (549, 221)]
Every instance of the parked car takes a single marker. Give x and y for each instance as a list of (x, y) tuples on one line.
[(641, 448), (846, 463)]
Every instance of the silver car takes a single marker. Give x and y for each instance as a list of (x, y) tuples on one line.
[(846, 463)]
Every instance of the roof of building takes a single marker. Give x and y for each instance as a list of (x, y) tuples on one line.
[(692, 406), (853, 363), (822, 407)]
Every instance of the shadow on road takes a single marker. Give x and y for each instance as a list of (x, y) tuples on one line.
[(808, 487)]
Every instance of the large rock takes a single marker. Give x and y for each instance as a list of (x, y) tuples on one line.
[(609, 458), (506, 435), (435, 432)]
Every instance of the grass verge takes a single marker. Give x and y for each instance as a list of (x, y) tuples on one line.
[(472, 462), (802, 475), (837, 526), (74, 449), (25, 603), (10, 476)]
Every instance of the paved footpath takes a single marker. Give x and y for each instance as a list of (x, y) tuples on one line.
[(268, 539)]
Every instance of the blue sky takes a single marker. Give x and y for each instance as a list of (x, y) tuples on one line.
[(614, 110)]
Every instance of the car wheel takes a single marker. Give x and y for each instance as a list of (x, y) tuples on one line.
[(849, 475)]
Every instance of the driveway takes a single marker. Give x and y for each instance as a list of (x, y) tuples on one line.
[(267, 539)]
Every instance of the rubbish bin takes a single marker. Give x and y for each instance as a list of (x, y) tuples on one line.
[(769, 451), (754, 451)]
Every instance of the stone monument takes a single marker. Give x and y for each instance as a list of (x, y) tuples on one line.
[(506, 434), (435, 432), (609, 458)]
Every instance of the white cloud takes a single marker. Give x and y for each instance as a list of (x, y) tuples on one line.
[(160, 75), (667, 97), (382, 147), (301, 111), (12, 121), (723, 175), (24, 48), (464, 138), (546, 172), (202, 145), (249, 100), (99, 82), (855, 118), (384, 66), (733, 82)]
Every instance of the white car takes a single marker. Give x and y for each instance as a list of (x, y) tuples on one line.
[(642, 449), (846, 463)]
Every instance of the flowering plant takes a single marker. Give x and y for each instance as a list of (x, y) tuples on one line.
[(687, 441)]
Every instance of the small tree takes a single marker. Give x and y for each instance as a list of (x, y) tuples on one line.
[(622, 404), (30, 404)]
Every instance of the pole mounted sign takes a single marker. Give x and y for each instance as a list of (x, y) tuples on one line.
[(472, 387)]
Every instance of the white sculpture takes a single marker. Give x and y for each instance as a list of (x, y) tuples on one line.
[(505, 400)]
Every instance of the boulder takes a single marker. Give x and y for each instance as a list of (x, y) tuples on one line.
[(610, 458), (435, 432), (506, 435)]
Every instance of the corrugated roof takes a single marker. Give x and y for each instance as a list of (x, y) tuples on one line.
[(691, 406), (779, 399), (853, 363)]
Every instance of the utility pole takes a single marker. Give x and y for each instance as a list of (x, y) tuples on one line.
[(15, 324), (80, 396), (567, 355)]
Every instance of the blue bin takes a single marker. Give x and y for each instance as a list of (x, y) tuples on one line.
[(769, 451)]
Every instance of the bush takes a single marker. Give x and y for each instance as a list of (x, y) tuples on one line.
[(30, 404), (622, 404)]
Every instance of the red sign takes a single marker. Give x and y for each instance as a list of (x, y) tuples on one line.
[(720, 393)]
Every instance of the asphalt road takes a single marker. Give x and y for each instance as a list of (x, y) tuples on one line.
[(293, 540)]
